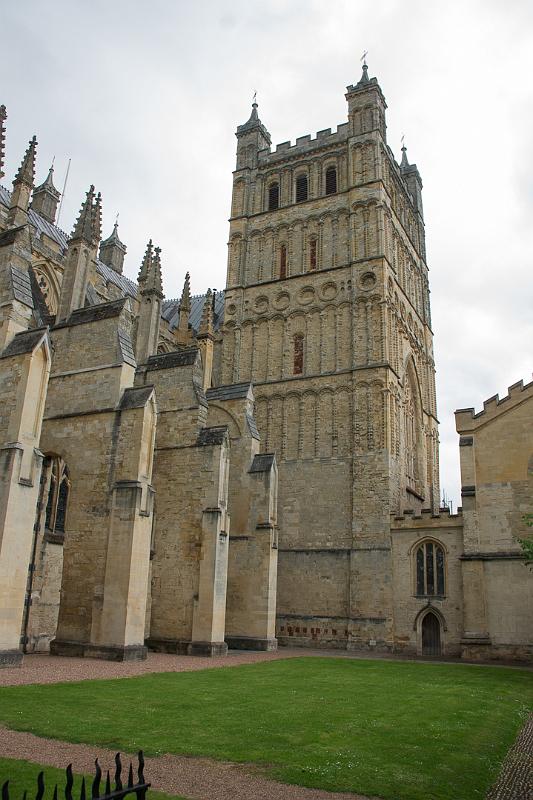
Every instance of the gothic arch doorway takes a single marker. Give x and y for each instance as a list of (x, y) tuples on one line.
[(431, 635)]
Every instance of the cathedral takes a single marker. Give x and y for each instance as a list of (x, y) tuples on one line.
[(255, 467)]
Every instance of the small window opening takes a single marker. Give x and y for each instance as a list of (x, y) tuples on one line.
[(312, 254), (298, 366), (301, 188), (331, 180), (57, 501), (283, 261), (273, 196)]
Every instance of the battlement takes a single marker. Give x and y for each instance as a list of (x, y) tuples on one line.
[(305, 144), (427, 518), (466, 418)]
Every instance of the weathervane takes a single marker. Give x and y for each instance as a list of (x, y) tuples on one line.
[(363, 58), (255, 96), (403, 140)]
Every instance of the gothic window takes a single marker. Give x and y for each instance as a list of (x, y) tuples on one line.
[(331, 180), (283, 261), (429, 569), (298, 365), (312, 254), (273, 196), (301, 188), (58, 492)]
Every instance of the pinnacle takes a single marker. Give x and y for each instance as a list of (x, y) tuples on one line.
[(26, 171), (155, 282), (185, 302), (146, 265), (405, 162), (206, 324), (97, 220), (84, 227)]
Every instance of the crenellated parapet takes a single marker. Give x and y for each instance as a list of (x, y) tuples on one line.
[(466, 419)]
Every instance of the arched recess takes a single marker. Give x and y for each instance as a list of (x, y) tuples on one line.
[(48, 283), (412, 438), (221, 416)]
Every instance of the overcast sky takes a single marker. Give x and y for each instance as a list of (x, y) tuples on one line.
[(145, 98)]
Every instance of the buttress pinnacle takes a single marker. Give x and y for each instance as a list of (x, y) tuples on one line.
[(26, 171), (206, 324), (3, 117), (146, 265), (84, 226)]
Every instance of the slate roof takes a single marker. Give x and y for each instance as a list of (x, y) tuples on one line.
[(127, 287), (171, 310)]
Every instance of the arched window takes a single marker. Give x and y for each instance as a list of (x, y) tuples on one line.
[(429, 566), (301, 188), (273, 196), (283, 261), (331, 180), (312, 254), (58, 492), (298, 364)]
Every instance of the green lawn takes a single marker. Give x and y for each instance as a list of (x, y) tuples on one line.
[(22, 776), (407, 731)]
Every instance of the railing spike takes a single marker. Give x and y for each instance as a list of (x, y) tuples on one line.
[(95, 791), (54, 796), (140, 771), (5, 790), (82, 792), (40, 786), (118, 770), (24, 796), (108, 784), (70, 783), (130, 776)]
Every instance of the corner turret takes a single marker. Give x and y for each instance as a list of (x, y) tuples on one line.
[(251, 137), (112, 251), (366, 105), (46, 198)]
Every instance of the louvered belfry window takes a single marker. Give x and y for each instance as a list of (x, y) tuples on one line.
[(298, 366), (312, 254), (283, 261), (273, 196), (301, 188), (331, 180)]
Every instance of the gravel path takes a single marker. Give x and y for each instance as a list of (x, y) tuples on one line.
[(43, 668), (198, 778), (516, 777)]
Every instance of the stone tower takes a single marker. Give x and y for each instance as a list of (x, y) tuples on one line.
[(327, 313)]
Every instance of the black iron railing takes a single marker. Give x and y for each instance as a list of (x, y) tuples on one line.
[(117, 793)]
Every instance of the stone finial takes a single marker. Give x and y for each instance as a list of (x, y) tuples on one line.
[(97, 220), (185, 301), (405, 162), (26, 171), (146, 265), (206, 324), (3, 117), (83, 228)]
